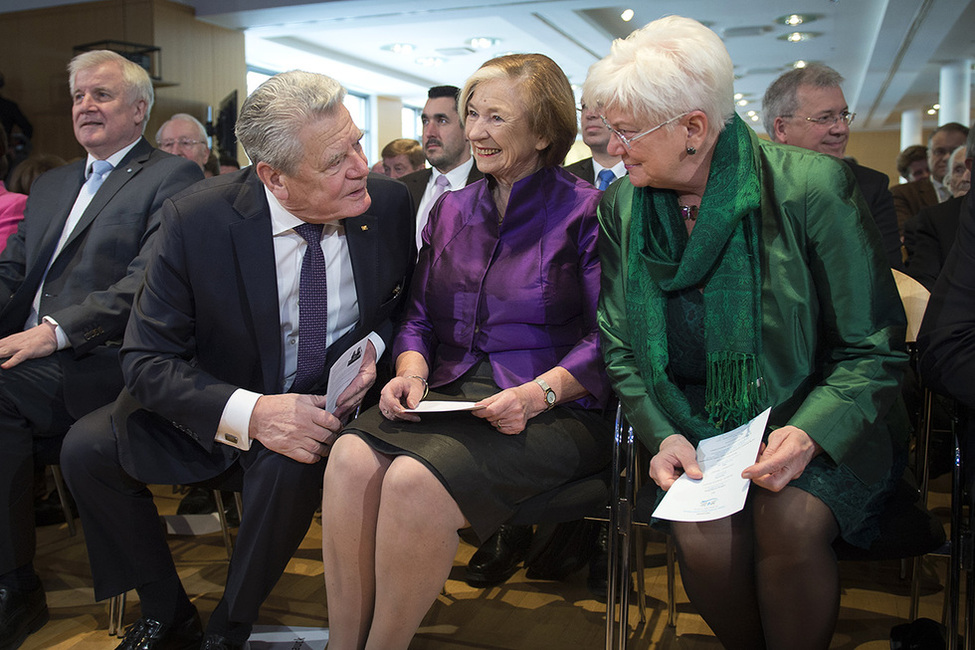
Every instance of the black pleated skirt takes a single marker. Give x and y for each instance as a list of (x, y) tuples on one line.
[(486, 472)]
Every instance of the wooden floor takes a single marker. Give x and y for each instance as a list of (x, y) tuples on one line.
[(520, 614)]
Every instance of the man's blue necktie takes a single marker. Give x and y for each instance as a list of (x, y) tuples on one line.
[(312, 311), (606, 177)]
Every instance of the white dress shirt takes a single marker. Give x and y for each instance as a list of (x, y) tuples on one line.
[(458, 179), (343, 310), (619, 170)]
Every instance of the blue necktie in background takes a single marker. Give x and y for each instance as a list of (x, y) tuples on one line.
[(606, 177), (312, 311)]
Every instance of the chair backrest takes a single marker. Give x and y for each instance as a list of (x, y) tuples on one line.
[(915, 299)]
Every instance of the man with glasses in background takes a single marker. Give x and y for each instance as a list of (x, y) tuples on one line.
[(183, 135), (909, 198), (805, 107)]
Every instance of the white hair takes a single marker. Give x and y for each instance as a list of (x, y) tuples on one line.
[(185, 117), (134, 76), (671, 66)]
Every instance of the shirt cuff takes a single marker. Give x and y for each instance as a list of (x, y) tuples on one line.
[(378, 343), (58, 332), (236, 418)]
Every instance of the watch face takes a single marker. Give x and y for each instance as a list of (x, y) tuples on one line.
[(550, 397)]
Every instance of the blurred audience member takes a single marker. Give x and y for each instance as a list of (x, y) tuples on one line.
[(183, 135), (912, 163), (228, 164), (402, 156), (212, 166), (805, 107), (909, 198), (959, 176), (11, 203), (27, 172), (378, 168), (10, 116)]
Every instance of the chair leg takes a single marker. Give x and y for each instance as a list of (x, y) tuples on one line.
[(63, 497), (952, 591), (224, 528), (116, 613), (671, 578), (639, 553)]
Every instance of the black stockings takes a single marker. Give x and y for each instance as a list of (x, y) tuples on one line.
[(766, 577)]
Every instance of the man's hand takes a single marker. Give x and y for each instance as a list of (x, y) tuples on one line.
[(676, 456), (352, 396), (38, 341), (784, 458), (297, 426)]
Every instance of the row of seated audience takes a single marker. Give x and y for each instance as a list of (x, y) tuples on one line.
[(483, 278)]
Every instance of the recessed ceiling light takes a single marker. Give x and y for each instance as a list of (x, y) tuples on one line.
[(754, 118), (931, 111), (738, 96), (483, 42), (793, 20), (430, 61), (399, 48), (936, 107), (751, 113), (799, 64), (743, 102), (627, 16), (798, 37)]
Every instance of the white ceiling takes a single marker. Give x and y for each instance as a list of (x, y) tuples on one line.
[(890, 51)]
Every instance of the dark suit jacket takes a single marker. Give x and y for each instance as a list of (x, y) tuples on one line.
[(583, 169), (909, 198), (417, 183), (89, 288), (874, 187), (207, 321), (947, 338), (929, 236)]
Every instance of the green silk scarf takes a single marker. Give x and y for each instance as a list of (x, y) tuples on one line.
[(722, 255)]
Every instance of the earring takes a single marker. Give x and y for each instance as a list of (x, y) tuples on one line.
[(691, 151)]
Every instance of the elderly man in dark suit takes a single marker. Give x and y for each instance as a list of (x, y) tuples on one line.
[(447, 150), (67, 278), (805, 107), (261, 280)]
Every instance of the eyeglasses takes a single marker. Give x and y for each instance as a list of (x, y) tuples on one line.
[(829, 120), (628, 141), (182, 143)]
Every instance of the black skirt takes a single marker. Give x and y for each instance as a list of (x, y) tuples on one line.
[(486, 472)]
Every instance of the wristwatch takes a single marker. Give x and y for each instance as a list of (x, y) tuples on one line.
[(549, 393)]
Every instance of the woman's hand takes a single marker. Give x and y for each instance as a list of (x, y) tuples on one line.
[(676, 456), (784, 458), (510, 410), (399, 394)]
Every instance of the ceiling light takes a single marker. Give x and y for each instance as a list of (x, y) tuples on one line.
[(399, 48), (738, 96), (799, 64), (754, 118), (743, 102), (936, 107), (931, 111), (483, 42), (430, 61), (798, 37), (751, 113), (794, 20), (627, 16)]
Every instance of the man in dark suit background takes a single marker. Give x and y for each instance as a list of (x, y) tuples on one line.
[(805, 107), (223, 356), (596, 136), (931, 233), (909, 198), (447, 150), (67, 278)]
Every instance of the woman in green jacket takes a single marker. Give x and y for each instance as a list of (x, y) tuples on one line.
[(737, 275)]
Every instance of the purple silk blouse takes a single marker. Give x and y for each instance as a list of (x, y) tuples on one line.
[(523, 293)]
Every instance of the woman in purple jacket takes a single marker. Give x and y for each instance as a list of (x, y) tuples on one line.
[(502, 313)]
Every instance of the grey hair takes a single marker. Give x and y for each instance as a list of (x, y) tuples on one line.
[(782, 97), (272, 117), (185, 117), (671, 66), (134, 76)]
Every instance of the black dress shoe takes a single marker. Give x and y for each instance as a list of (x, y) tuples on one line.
[(599, 564), (48, 511), (217, 642), (21, 613), (497, 559), (149, 634)]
